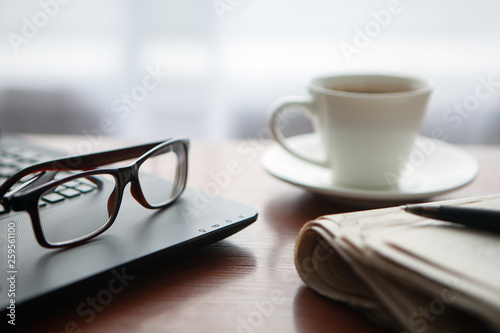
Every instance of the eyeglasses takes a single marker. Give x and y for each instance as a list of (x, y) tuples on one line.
[(96, 193)]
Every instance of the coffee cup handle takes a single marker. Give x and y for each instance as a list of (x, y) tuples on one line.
[(303, 104)]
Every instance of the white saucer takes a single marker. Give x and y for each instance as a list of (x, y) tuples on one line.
[(446, 169)]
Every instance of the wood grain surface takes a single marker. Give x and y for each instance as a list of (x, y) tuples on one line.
[(246, 283)]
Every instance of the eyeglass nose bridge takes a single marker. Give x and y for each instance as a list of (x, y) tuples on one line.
[(123, 176), (130, 174)]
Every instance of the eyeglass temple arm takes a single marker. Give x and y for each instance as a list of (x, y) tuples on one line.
[(80, 162)]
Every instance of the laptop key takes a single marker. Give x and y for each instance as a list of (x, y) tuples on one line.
[(71, 184), (53, 197), (69, 193), (84, 188)]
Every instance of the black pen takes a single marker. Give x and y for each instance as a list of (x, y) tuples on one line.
[(477, 218)]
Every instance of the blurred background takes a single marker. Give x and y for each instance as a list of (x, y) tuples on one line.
[(210, 69)]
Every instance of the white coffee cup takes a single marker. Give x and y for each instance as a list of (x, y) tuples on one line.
[(367, 124)]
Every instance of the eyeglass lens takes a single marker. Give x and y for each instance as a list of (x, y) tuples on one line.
[(165, 164), (84, 212)]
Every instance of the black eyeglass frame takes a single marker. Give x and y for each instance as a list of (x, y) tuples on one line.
[(26, 197)]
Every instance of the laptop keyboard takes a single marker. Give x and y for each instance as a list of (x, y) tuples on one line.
[(13, 159)]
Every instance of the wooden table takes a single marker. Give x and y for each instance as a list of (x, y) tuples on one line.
[(248, 282)]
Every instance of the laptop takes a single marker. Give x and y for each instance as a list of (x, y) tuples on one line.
[(137, 235)]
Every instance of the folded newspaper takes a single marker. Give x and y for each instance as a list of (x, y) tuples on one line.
[(407, 272)]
